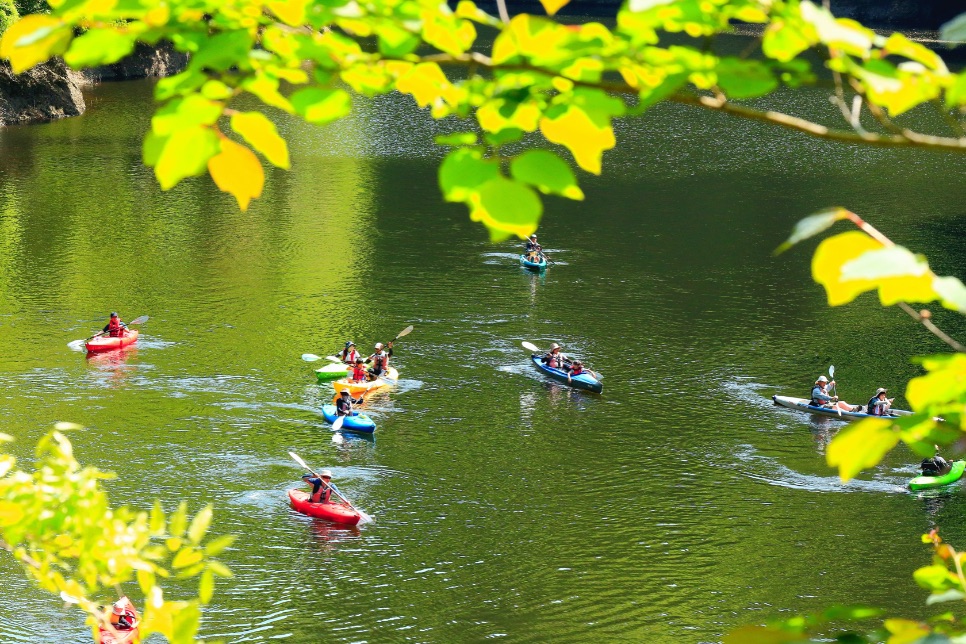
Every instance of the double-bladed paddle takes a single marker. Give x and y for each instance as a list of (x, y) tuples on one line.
[(835, 391), (311, 357), (137, 320), (362, 515)]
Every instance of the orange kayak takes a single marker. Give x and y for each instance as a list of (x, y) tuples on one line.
[(126, 636), (358, 388), (106, 343), (337, 512)]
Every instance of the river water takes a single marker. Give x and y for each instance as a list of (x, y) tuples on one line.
[(675, 506)]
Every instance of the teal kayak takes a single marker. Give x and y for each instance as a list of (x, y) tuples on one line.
[(953, 475), (534, 266)]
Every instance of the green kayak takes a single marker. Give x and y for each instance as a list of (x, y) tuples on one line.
[(953, 475), (332, 371)]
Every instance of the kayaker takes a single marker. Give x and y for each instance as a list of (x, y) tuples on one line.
[(343, 404), (821, 397), (533, 249), (935, 465), (322, 486), (115, 328), (122, 618), (575, 369), (359, 372), (554, 358), (349, 353), (878, 404), (379, 360)]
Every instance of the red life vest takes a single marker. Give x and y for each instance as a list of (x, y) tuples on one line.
[(380, 361), (359, 373), (114, 327)]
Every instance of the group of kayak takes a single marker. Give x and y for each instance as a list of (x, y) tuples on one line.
[(936, 471)]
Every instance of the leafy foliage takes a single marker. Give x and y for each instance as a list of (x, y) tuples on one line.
[(560, 82), (57, 522), (8, 14)]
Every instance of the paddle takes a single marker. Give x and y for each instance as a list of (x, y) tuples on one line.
[(831, 375), (531, 347), (311, 357), (138, 320), (337, 425), (363, 516)]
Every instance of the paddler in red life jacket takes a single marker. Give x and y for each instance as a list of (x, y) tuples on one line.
[(554, 358), (122, 618), (349, 354), (115, 327), (359, 372), (575, 369), (379, 360), (321, 486)]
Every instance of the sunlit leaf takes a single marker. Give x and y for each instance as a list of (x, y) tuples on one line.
[(945, 382), (829, 258), (811, 226), (553, 6), (462, 173), (761, 635), (199, 525), (10, 513), (184, 154), (319, 106), (860, 446), (206, 586), (215, 547), (507, 208), (547, 172), (261, 134), (740, 78), (905, 631), (33, 39), (99, 47), (584, 138), (424, 82), (187, 556), (457, 139), (237, 171), (179, 520), (951, 291)]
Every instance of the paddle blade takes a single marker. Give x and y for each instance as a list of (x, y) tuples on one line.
[(332, 358), (140, 320), (310, 357), (406, 331), (337, 425), (530, 347), (363, 517), (831, 371), (295, 457)]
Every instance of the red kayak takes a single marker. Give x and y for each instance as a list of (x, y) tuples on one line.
[(124, 636), (106, 343), (337, 512)]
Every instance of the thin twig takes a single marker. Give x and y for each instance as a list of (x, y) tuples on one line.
[(501, 7), (954, 125)]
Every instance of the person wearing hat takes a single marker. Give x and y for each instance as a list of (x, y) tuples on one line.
[(349, 354), (878, 404), (379, 360), (533, 249), (935, 465), (822, 398), (344, 402), (322, 486), (121, 617), (115, 327), (554, 358)]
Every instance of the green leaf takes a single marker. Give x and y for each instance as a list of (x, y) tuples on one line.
[(219, 569), (553, 6), (740, 78), (34, 39), (199, 525), (457, 139), (463, 171), (811, 226), (216, 546), (934, 577), (179, 520), (951, 595), (185, 624), (394, 41), (954, 30), (547, 172), (508, 135), (184, 154), (206, 587), (507, 208), (99, 47), (860, 446), (222, 51), (157, 518), (185, 113), (260, 133), (318, 105), (187, 556), (951, 291)]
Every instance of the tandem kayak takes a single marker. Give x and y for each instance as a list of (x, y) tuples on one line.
[(106, 343), (337, 512), (802, 404), (583, 381), (356, 389), (357, 422), (332, 371), (954, 474), (132, 635), (533, 266)]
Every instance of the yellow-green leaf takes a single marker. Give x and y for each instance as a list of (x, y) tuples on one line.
[(291, 12), (425, 82), (179, 520), (547, 172), (99, 47), (905, 631), (206, 587), (827, 263), (317, 105), (10, 513), (237, 171), (199, 525), (215, 547), (33, 39), (507, 208), (553, 6), (463, 172), (261, 134), (184, 154), (187, 556), (860, 446), (584, 138), (157, 518)]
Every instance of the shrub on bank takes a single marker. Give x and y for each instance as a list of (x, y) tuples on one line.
[(8, 14)]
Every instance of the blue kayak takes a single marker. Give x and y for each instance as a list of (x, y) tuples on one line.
[(533, 266), (583, 381), (357, 422)]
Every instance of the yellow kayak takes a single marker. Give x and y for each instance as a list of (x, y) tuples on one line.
[(358, 388)]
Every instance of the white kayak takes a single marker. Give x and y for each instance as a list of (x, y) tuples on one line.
[(802, 404)]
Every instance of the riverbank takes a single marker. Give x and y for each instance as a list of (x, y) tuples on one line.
[(52, 90)]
